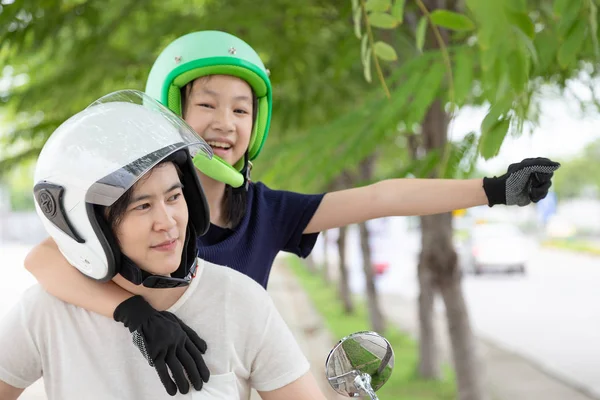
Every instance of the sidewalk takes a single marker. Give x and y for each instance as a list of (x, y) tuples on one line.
[(508, 375)]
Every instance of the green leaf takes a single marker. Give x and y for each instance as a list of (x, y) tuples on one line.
[(570, 16), (594, 28), (382, 20), (426, 92), (560, 6), (546, 47), (451, 20), (518, 6), (378, 5), (355, 5), (497, 112), (420, 33), (491, 141), (357, 16), (463, 75), (569, 49), (489, 57), (528, 43), (367, 66), (385, 51), (523, 22), (518, 69), (364, 43), (398, 10), (459, 153)]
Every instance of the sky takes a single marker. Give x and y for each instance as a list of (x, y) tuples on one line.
[(562, 132)]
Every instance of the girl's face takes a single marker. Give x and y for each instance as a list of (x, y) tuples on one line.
[(153, 228), (219, 109)]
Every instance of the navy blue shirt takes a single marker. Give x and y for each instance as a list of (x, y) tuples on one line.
[(274, 222)]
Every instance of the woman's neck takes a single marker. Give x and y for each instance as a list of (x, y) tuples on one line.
[(215, 192), (159, 299)]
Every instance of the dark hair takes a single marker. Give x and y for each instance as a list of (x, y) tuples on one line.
[(234, 201), (115, 213)]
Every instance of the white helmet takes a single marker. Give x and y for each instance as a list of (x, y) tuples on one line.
[(92, 159)]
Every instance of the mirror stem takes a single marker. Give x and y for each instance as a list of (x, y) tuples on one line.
[(363, 381)]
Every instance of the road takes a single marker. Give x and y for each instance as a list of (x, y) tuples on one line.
[(551, 315)]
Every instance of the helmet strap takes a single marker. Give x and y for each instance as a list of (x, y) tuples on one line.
[(245, 171)]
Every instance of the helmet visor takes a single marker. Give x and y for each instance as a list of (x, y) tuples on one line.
[(133, 134)]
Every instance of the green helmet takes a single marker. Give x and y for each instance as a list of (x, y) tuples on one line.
[(204, 53)]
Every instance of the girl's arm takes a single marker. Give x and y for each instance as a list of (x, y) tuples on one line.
[(59, 278), (524, 182), (396, 197)]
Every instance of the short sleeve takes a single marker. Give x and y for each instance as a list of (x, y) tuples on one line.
[(292, 212), (279, 360), (20, 360), (266, 347)]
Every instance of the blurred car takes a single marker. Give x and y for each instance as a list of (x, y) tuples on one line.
[(495, 247)]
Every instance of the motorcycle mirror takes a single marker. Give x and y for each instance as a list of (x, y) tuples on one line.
[(360, 364)]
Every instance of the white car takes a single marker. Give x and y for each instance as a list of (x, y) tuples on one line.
[(495, 247)]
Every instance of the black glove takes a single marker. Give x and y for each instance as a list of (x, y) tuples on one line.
[(165, 341), (524, 182)]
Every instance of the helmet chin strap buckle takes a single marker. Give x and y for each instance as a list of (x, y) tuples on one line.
[(245, 173), (169, 282), (164, 282)]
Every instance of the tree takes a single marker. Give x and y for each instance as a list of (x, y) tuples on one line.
[(344, 286), (64, 54), (342, 182), (375, 315), (497, 53)]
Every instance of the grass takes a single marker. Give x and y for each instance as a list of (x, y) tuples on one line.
[(404, 384), (580, 246)]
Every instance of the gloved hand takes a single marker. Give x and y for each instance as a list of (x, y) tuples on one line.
[(524, 182), (165, 341)]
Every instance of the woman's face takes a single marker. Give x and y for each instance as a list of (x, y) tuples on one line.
[(152, 230), (219, 109)]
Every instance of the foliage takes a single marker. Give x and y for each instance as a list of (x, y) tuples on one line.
[(495, 53)]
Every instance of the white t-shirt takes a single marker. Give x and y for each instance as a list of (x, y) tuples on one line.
[(83, 355)]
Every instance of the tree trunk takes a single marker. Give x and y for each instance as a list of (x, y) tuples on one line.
[(344, 181), (376, 317), (466, 362), (438, 261), (439, 257), (344, 287), (325, 265), (310, 263), (429, 360)]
